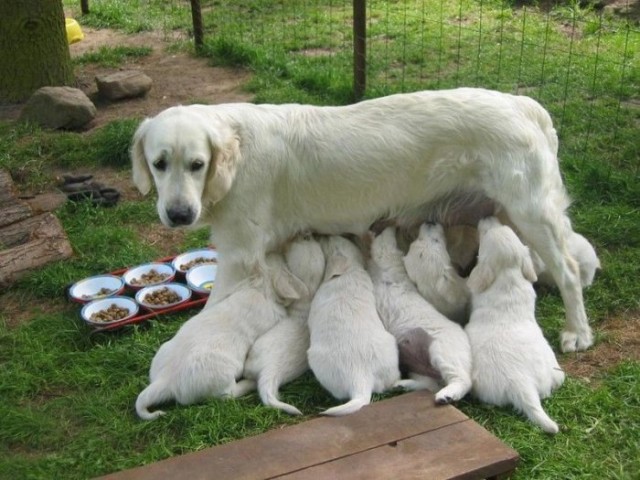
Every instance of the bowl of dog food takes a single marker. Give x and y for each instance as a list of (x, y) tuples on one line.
[(106, 311), (163, 296), (96, 287), (186, 261), (149, 274), (201, 278)]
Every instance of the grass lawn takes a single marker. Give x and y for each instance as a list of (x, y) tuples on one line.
[(66, 396)]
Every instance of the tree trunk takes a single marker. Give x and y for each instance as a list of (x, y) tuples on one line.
[(33, 48)]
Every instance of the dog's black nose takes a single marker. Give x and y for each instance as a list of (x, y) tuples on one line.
[(180, 215)]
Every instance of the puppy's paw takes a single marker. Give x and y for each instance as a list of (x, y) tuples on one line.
[(571, 341), (452, 392)]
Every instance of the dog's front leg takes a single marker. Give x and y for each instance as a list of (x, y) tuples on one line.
[(231, 271)]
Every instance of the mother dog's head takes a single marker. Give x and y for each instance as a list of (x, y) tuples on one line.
[(191, 156)]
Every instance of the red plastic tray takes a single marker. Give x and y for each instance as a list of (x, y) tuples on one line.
[(196, 300)]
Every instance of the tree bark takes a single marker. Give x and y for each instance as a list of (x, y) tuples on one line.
[(33, 48)]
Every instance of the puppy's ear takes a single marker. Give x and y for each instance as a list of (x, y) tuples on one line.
[(528, 270), (337, 265), (141, 174), (481, 278), (288, 286), (225, 155)]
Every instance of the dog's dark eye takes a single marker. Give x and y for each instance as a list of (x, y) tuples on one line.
[(197, 165), (160, 164)]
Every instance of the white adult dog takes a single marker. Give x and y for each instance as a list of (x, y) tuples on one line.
[(512, 361), (404, 312), (207, 354), (257, 174), (429, 266), (351, 354), (280, 355)]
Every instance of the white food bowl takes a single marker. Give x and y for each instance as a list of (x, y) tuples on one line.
[(201, 278), (103, 304), (183, 292), (96, 287), (135, 274), (205, 255)]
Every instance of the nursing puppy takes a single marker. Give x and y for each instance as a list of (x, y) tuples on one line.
[(582, 251), (206, 356), (258, 174), (512, 361), (404, 312), (429, 267), (280, 355), (351, 354)]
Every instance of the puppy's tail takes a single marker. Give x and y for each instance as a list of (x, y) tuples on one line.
[(268, 389), (155, 393), (351, 406), (528, 402)]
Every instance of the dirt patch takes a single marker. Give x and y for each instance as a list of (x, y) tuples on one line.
[(17, 309), (178, 78), (618, 341)]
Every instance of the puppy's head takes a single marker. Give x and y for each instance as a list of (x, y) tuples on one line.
[(500, 249), (190, 156), (341, 254), (384, 246)]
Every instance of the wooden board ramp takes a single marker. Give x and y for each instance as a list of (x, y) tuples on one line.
[(404, 437)]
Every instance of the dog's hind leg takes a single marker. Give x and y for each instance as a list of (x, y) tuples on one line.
[(546, 232)]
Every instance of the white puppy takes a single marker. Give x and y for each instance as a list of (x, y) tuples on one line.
[(405, 312), (512, 361), (280, 355), (206, 356), (429, 267), (258, 174), (351, 354), (582, 251)]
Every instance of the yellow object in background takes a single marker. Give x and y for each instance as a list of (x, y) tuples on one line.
[(74, 32)]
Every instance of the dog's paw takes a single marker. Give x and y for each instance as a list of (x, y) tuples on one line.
[(576, 341)]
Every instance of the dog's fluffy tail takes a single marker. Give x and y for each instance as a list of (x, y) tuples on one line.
[(268, 389), (353, 405), (154, 394), (528, 402)]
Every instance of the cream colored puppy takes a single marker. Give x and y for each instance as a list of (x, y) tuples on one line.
[(280, 355), (429, 267), (583, 253), (513, 363), (206, 356), (351, 354), (405, 312)]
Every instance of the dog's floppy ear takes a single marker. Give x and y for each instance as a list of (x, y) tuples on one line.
[(528, 270), (225, 155), (288, 286), (337, 265), (481, 278), (141, 174)]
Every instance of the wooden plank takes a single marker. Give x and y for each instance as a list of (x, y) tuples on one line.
[(287, 450), (463, 451), (48, 243)]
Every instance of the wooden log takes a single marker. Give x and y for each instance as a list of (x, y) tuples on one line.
[(47, 243), (11, 212), (7, 188)]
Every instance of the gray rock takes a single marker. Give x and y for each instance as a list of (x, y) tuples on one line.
[(59, 107), (125, 84)]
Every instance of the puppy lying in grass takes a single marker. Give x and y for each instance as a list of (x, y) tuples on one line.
[(405, 313), (280, 355), (206, 356), (351, 354), (513, 363)]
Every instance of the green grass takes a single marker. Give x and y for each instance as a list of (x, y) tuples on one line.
[(66, 397)]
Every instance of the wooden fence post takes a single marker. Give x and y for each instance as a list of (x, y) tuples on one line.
[(359, 48), (198, 29)]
